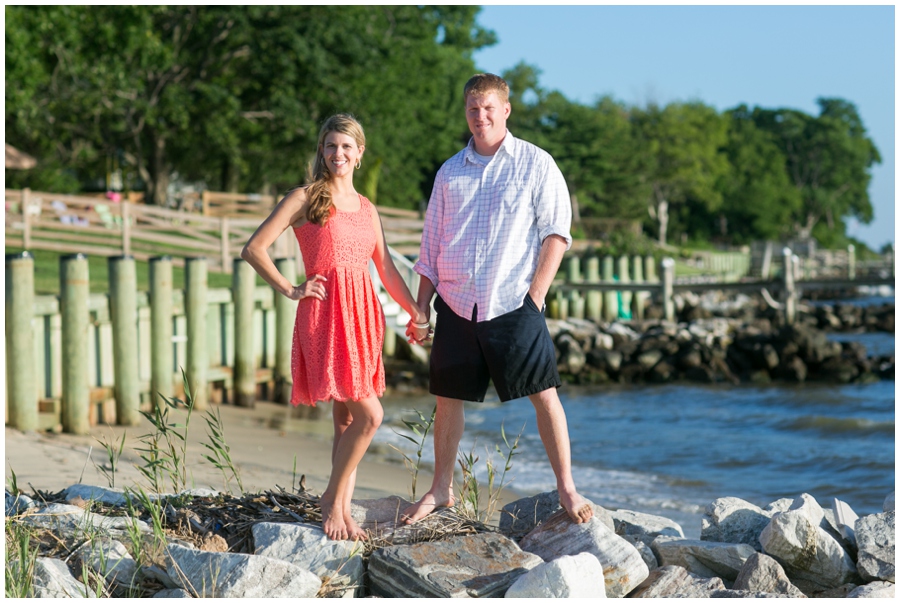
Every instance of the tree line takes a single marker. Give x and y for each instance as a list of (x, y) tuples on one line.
[(233, 96)]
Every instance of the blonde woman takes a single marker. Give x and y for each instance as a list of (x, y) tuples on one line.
[(339, 328)]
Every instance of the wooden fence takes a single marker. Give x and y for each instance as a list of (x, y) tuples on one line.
[(98, 226)]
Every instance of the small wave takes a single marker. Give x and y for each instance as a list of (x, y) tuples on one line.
[(840, 425)]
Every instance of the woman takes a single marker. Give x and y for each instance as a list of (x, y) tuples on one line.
[(339, 328)]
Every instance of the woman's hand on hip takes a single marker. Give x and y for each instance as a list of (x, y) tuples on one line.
[(314, 287)]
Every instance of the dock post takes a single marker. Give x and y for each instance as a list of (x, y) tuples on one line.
[(243, 279), (637, 269), (123, 315), (625, 277), (851, 262), (790, 300), (196, 308), (573, 272), (74, 291), (162, 362), (20, 375), (610, 303), (285, 314), (593, 299), (668, 288)]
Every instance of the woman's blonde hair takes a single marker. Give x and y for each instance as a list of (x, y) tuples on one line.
[(318, 176)]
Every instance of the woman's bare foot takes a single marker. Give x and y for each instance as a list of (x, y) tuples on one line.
[(354, 532), (428, 504), (333, 521), (578, 508)]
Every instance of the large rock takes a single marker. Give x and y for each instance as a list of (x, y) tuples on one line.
[(109, 496), (230, 575), (73, 521), (644, 526), (338, 563), (523, 515), (623, 566), (110, 559), (576, 577), (703, 558), (806, 551), (16, 504), (674, 581), (728, 593), (644, 550), (888, 504), (172, 593), (53, 580), (873, 590), (875, 537), (480, 565), (761, 573), (733, 520)]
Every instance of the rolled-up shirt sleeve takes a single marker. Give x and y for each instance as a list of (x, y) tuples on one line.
[(431, 232), (552, 205)]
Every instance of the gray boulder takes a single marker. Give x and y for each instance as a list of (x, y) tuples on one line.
[(172, 593), (53, 580), (762, 573), (673, 581), (110, 559), (727, 593), (703, 558), (888, 504), (230, 575), (623, 566), (571, 577), (873, 590), (338, 563), (16, 504), (644, 526), (733, 520), (479, 565), (109, 496), (72, 521), (645, 551), (875, 536), (522, 516), (806, 551)]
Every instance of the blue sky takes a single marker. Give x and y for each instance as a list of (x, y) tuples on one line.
[(767, 56)]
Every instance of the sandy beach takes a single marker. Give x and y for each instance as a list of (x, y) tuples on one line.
[(263, 441)]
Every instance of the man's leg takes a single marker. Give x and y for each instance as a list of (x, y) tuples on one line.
[(554, 431), (449, 423)]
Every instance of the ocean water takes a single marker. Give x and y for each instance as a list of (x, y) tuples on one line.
[(672, 449)]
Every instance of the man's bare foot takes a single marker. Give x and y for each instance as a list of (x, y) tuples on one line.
[(427, 504), (578, 508), (333, 523)]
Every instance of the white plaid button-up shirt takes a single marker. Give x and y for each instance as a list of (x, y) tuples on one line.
[(485, 224)]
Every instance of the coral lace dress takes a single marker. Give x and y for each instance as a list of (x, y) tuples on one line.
[(338, 342)]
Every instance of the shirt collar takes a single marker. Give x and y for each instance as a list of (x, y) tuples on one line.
[(508, 146)]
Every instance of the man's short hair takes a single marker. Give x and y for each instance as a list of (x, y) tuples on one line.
[(481, 84)]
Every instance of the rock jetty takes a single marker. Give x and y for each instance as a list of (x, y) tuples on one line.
[(793, 547), (710, 350)]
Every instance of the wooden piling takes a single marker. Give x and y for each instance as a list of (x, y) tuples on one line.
[(195, 307), (162, 362), (285, 314), (667, 268), (790, 300), (123, 316), (610, 299), (243, 279), (625, 277), (74, 292), (851, 262), (640, 297), (593, 299), (22, 395)]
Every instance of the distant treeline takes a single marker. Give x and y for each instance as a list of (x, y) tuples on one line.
[(233, 96)]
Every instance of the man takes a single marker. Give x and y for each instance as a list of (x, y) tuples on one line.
[(495, 232)]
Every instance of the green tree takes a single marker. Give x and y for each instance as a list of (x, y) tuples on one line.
[(683, 143), (829, 161)]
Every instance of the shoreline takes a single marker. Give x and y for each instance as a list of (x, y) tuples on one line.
[(263, 442)]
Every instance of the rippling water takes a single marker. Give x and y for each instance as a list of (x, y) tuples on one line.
[(672, 449)]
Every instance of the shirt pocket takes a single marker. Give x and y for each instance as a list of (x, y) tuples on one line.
[(514, 196)]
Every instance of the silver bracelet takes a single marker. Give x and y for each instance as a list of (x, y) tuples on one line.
[(426, 325)]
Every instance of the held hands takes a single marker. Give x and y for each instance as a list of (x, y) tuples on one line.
[(314, 287), (418, 329)]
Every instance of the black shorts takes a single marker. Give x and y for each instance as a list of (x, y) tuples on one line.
[(513, 350)]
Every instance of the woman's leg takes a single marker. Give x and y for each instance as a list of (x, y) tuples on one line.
[(355, 423)]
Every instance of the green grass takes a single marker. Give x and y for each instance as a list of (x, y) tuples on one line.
[(46, 273)]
